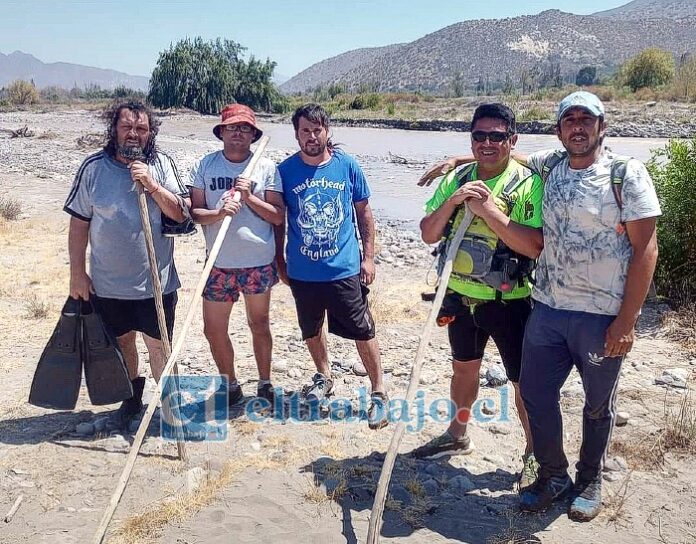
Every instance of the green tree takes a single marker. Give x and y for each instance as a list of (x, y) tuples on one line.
[(587, 75), (205, 76), (673, 170), (21, 92), (650, 68)]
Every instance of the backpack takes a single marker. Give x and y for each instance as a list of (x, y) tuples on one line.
[(616, 175), (496, 266)]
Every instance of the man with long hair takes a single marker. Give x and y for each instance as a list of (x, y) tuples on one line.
[(103, 204)]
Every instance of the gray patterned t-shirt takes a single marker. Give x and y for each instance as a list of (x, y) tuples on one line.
[(104, 194), (586, 254)]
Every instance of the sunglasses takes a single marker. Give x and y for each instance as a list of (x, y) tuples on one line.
[(495, 136), (244, 129)]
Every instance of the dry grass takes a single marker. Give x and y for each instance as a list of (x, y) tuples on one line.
[(146, 527), (512, 534), (680, 429), (677, 434), (10, 209), (37, 308), (680, 325), (317, 494), (615, 502)]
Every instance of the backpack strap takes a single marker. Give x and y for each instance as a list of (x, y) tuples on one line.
[(551, 162), (617, 175), (465, 173)]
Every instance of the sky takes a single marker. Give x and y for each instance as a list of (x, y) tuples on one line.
[(128, 35)]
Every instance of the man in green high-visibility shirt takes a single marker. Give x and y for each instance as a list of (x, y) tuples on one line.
[(488, 292)]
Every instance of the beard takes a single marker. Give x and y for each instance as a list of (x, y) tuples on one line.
[(131, 152), (313, 150)]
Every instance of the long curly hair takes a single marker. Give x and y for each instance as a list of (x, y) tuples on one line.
[(111, 116)]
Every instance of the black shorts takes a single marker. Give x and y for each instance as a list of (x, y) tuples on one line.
[(504, 321), (123, 316), (344, 300)]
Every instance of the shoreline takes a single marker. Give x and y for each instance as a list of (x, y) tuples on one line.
[(620, 129)]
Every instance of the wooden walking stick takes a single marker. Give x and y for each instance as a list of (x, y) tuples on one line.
[(140, 435), (170, 410), (390, 458)]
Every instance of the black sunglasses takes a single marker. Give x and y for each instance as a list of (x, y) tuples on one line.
[(495, 136)]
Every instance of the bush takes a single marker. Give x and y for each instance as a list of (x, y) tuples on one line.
[(22, 92), (10, 208), (673, 169), (369, 101), (649, 68)]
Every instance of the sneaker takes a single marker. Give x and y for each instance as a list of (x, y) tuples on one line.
[(378, 412), (265, 391), (587, 500), (235, 395), (443, 445), (530, 471), (130, 408), (542, 493), (321, 387)]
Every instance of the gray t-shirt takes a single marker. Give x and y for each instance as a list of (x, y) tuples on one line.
[(586, 254), (104, 194), (249, 241)]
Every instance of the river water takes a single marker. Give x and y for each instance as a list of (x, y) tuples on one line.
[(394, 191)]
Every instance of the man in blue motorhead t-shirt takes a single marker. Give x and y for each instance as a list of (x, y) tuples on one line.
[(325, 195)]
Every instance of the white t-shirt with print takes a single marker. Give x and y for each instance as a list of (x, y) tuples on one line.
[(584, 263), (249, 241)]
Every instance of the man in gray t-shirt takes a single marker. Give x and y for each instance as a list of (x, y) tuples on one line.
[(246, 262), (103, 203)]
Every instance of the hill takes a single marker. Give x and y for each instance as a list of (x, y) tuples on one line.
[(487, 51), (641, 9), (19, 65)]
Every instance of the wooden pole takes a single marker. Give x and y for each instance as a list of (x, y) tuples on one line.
[(140, 435), (390, 458), (169, 409)]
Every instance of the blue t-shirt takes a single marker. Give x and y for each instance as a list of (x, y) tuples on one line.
[(322, 238)]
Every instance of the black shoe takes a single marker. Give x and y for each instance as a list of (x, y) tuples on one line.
[(265, 391), (235, 395), (587, 499), (540, 495), (132, 407), (443, 445)]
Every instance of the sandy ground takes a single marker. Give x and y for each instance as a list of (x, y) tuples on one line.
[(272, 481)]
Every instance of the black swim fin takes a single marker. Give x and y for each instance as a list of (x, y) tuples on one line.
[(106, 374), (58, 375)]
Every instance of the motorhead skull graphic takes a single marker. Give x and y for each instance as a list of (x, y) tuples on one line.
[(320, 218)]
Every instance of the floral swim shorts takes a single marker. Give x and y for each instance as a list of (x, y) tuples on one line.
[(225, 284)]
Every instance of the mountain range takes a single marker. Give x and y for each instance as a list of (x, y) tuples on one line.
[(19, 65), (492, 50)]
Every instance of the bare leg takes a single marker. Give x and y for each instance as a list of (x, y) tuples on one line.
[(130, 353), (155, 349), (524, 420), (216, 319), (370, 357), (319, 353), (257, 316), (463, 391)]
